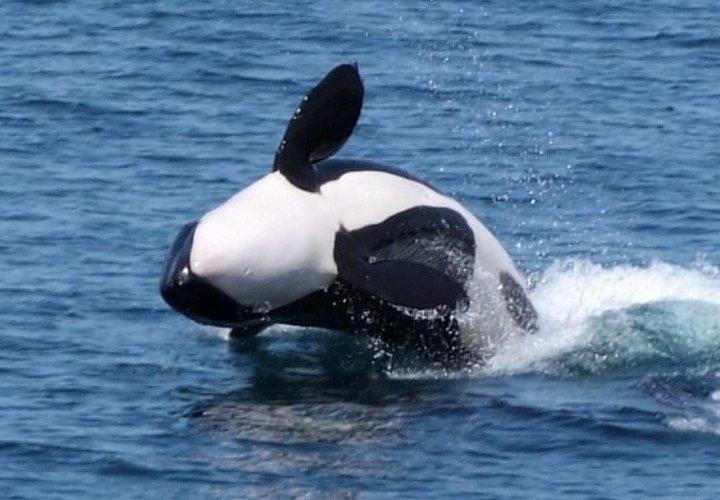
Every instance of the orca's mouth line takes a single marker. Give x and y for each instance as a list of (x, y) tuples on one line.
[(262, 320)]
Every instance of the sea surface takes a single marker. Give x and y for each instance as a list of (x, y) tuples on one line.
[(585, 134)]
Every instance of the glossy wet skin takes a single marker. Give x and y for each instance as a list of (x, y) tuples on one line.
[(296, 231), (191, 295)]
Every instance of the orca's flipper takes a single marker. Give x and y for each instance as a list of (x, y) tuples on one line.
[(518, 305), (320, 125), (419, 258)]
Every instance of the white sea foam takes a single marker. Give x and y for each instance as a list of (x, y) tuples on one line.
[(702, 416), (221, 333), (693, 424), (224, 333), (570, 295)]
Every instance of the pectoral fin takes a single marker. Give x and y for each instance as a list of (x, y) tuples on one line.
[(398, 281)]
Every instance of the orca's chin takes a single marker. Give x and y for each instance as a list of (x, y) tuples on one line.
[(194, 297)]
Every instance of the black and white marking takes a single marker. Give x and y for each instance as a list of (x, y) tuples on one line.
[(342, 244)]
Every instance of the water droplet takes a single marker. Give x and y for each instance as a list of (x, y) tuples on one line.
[(183, 276)]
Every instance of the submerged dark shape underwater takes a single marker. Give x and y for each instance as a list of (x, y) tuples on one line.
[(344, 244)]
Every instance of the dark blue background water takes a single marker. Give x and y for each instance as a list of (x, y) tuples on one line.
[(585, 134)]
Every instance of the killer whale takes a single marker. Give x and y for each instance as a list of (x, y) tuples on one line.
[(343, 244)]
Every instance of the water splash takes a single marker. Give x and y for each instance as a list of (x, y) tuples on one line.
[(692, 397), (594, 319)]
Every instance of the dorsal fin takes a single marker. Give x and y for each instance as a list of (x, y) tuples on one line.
[(320, 125)]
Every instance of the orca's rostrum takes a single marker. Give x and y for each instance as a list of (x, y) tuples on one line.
[(343, 244)]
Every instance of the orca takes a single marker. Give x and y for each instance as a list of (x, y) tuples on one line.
[(344, 244)]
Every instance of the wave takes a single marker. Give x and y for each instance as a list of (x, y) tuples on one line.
[(657, 327), (691, 398), (595, 319)]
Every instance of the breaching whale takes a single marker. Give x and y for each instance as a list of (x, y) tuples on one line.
[(343, 244)]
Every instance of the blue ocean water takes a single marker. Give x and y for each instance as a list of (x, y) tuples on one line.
[(585, 134)]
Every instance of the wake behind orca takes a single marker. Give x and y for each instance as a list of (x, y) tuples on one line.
[(344, 244)]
